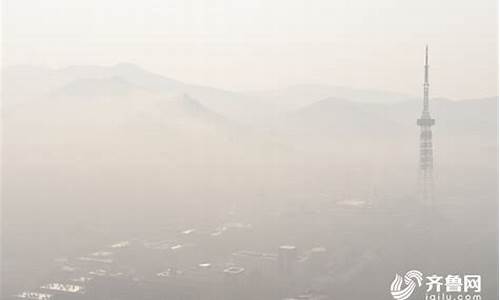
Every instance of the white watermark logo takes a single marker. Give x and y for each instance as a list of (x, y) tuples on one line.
[(450, 287), (411, 279)]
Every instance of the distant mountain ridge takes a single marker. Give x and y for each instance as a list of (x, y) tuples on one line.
[(325, 107), (27, 83)]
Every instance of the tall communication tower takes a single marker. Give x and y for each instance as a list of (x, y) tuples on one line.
[(425, 122)]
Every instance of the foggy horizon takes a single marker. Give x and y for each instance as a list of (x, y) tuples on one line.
[(262, 45), (414, 95)]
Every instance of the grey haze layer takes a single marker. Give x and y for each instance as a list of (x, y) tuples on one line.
[(92, 153)]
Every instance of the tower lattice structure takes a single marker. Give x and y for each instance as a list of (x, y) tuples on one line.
[(425, 122)]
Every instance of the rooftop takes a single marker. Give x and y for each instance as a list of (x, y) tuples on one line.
[(34, 296), (234, 270), (61, 287)]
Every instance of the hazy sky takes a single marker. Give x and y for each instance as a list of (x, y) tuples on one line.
[(262, 44)]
